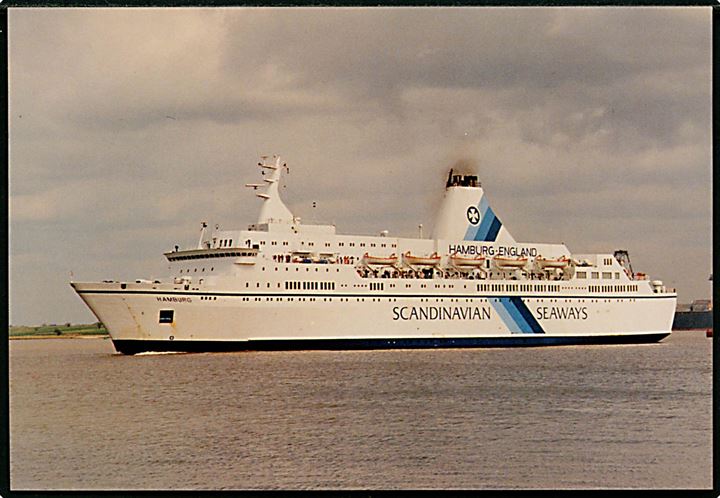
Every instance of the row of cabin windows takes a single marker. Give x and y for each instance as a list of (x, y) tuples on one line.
[(607, 275), (188, 270), (168, 315), (225, 242), (257, 285), (326, 299), (302, 242), (607, 261), (213, 255), (309, 285), (300, 285), (518, 288), (613, 288), (327, 270)]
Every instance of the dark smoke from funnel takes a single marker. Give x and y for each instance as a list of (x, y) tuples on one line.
[(466, 166), (463, 165), (463, 173)]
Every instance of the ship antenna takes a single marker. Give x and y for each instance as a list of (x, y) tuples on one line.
[(273, 209), (202, 234)]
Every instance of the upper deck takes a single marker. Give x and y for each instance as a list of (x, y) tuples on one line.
[(469, 243)]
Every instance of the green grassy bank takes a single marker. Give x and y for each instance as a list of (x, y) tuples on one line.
[(64, 330)]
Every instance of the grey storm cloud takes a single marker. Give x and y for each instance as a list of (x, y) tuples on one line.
[(129, 126)]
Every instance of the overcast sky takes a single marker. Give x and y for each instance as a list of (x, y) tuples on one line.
[(128, 127)]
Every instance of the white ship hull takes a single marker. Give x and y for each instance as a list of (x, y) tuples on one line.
[(225, 321)]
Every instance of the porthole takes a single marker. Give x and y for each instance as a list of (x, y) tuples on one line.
[(166, 316)]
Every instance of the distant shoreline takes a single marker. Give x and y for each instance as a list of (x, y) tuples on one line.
[(54, 331), (68, 336)]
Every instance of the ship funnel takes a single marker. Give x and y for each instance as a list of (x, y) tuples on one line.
[(273, 209), (466, 215)]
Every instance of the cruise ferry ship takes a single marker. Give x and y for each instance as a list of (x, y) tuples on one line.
[(282, 284)]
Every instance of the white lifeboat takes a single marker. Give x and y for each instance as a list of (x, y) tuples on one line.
[(561, 262), (463, 262), (432, 260), (380, 260), (504, 263)]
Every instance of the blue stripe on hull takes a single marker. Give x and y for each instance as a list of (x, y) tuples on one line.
[(516, 316), (527, 315), (513, 325), (132, 346)]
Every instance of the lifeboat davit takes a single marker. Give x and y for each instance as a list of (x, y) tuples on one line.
[(463, 262), (509, 263), (561, 262), (380, 260), (432, 260)]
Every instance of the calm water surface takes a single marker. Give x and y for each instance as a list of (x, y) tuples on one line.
[(83, 417)]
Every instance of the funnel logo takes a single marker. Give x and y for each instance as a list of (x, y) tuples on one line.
[(484, 225), (473, 215)]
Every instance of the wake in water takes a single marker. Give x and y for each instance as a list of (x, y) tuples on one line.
[(153, 353)]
